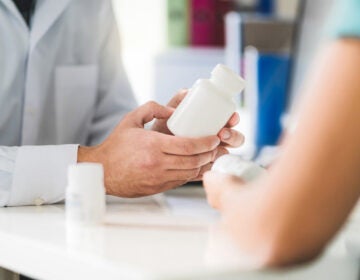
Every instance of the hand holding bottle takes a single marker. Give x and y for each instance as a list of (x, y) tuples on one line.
[(139, 162), (230, 138)]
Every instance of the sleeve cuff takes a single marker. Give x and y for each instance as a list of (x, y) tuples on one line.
[(40, 174)]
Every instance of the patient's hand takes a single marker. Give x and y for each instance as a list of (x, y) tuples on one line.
[(219, 187), (230, 138)]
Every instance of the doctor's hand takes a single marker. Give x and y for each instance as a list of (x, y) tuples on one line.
[(139, 162), (230, 138)]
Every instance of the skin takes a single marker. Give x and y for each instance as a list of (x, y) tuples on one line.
[(139, 162), (289, 216)]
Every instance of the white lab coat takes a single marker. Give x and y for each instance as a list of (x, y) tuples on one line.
[(75, 89)]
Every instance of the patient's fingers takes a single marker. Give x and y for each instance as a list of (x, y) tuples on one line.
[(217, 185)]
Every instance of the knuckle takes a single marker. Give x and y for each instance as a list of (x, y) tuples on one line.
[(149, 162), (152, 104), (128, 115)]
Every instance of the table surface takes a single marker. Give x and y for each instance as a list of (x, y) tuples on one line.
[(172, 236)]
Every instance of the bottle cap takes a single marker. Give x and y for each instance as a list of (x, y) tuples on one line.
[(228, 79), (234, 165), (85, 176)]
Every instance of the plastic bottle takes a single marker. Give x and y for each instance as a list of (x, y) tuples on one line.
[(234, 165), (208, 106), (85, 194)]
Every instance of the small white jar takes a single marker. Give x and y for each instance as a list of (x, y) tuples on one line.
[(234, 165), (208, 106), (85, 194)]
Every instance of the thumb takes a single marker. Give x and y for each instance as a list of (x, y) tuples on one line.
[(176, 100), (149, 111)]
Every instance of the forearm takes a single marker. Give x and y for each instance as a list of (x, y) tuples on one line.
[(313, 187)]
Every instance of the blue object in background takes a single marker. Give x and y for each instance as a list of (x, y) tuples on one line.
[(266, 6), (273, 78)]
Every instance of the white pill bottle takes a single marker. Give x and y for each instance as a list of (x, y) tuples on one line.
[(208, 106), (85, 194)]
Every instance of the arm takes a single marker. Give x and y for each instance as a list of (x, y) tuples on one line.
[(137, 162), (7, 164), (34, 175), (291, 215), (37, 174)]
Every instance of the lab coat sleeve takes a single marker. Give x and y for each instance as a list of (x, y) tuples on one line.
[(7, 165), (115, 96), (34, 175)]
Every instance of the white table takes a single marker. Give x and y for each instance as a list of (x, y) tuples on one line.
[(165, 237)]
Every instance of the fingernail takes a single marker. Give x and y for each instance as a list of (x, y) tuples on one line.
[(226, 135), (237, 120)]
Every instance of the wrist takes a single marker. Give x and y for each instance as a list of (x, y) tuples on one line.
[(90, 154), (86, 154)]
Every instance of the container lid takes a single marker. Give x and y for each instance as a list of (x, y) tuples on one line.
[(85, 176), (227, 79)]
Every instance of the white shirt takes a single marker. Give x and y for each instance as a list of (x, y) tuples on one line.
[(62, 84)]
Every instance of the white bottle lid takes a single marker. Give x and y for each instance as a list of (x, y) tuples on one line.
[(86, 177), (85, 195), (234, 165), (227, 79)]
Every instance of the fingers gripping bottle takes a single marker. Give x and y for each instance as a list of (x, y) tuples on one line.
[(208, 106)]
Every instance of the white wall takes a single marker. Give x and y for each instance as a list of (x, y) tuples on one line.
[(142, 26)]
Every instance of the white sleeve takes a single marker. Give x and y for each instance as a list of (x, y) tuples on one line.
[(115, 96), (39, 175), (7, 164)]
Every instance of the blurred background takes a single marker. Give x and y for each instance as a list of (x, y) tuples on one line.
[(168, 44)]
